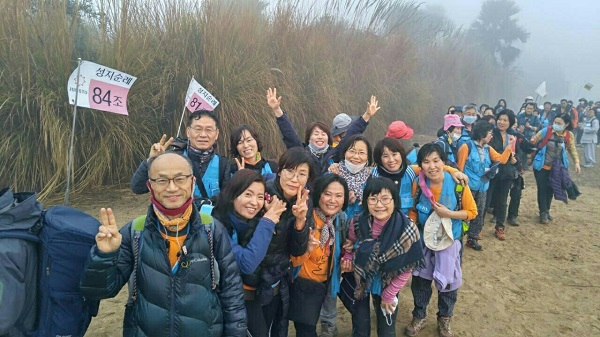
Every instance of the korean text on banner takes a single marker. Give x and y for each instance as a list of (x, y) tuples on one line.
[(100, 88), (198, 98)]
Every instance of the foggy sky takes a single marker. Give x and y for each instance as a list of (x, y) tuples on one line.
[(565, 36)]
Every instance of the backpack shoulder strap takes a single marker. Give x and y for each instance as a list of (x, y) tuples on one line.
[(470, 147), (137, 226), (458, 191), (547, 135), (207, 222)]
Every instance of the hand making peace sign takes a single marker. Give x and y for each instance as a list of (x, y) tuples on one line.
[(301, 207), (108, 238), (160, 147)]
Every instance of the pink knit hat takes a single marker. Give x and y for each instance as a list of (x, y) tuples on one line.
[(399, 130), (451, 120)]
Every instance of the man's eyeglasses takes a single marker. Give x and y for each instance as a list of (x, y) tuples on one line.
[(180, 181)]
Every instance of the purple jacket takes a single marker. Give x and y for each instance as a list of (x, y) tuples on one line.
[(560, 180), (443, 267)]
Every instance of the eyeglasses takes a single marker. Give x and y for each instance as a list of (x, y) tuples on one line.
[(383, 200), (353, 152), (164, 182), (208, 130), (290, 174)]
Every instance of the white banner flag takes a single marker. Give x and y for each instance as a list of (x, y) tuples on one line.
[(198, 98), (541, 90), (100, 88)]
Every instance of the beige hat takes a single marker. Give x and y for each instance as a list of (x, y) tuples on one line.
[(437, 232)]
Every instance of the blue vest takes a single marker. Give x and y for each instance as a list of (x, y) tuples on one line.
[(464, 137), (475, 168), (443, 143), (210, 179), (412, 156), (540, 156), (405, 189), (447, 198)]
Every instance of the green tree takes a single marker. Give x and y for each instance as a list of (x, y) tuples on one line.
[(497, 30)]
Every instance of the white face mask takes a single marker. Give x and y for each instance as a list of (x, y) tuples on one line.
[(354, 169), (455, 137)]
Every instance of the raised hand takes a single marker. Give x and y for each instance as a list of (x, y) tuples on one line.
[(160, 147), (108, 238), (240, 165), (372, 108), (274, 209), (274, 102), (312, 241), (301, 207)]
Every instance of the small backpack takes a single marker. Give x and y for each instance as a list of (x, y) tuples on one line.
[(65, 237)]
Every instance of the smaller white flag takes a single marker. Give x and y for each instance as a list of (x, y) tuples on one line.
[(541, 90), (198, 98), (100, 88)]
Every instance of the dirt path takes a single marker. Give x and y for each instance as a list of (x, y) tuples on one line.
[(541, 281)]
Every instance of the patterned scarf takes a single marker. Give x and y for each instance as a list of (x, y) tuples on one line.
[(355, 181), (395, 251), (328, 230), (174, 225)]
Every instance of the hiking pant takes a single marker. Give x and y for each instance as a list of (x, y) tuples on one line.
[(476, 224), (544, 190), (422, 291), (329, 310), (305, 330), (524, 158), (589, 153), (264, 320), (515, 187), (361, 320)]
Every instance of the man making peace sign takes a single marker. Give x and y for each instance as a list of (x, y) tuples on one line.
[(186, 281)]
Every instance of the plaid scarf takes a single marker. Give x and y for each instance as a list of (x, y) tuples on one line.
[(327, 231), (395, 251), (355, 181)]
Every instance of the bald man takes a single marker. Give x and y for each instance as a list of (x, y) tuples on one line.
[(186, 281)]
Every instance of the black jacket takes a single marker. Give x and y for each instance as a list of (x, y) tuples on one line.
[(140, 177), (180, 304), (291, 139), (510, 171)]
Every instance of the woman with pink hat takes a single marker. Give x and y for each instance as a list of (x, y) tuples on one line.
[(449, 140)]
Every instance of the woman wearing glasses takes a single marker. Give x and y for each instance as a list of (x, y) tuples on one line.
[(382, 249), (267, 289)]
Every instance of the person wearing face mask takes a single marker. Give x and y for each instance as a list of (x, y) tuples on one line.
[(385, 235), (245, 146), (210, 169), (449, 140), (318, 139), (475, 160), (470, 116), (355, 170), (553, 144), (317, 273), (184, 279)]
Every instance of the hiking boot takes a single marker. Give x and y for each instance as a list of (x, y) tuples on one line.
[(444, 327), (473, 243), (544, 219), (328, 330), (550, 217), (413, 328), (500, 233), (513, 221)]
